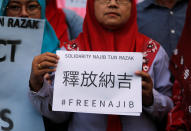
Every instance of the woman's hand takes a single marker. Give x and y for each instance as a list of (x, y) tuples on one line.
[(147, 88), (41, 66)]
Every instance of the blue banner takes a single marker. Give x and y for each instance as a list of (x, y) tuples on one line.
[(20, 41)]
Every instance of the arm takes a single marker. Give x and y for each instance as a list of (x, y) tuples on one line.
[(74, 22), (41, 94), (160, 75), (42, 100)]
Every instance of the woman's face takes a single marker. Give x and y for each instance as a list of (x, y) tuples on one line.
[(24, 8), (112, 14)]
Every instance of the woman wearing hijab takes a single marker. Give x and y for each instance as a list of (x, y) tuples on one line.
[(31, 9), (179, 119), (34, 9), (109, 25)]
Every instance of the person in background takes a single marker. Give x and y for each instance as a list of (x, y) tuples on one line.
[(66, 23), (179, 118), (109, 25), (162, 20)]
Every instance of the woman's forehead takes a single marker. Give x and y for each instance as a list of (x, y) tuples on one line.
[(22, 1)]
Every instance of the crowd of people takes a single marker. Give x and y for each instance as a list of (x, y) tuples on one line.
[(158, 28)]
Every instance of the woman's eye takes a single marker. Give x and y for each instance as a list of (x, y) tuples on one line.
[(32, 7), (14, 7)]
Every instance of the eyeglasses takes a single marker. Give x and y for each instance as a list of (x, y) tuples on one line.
[(16, 9), (119, 2)]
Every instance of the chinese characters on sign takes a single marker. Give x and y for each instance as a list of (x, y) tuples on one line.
[(88, 79), (98, 82)]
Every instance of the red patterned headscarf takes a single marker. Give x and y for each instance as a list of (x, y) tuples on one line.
[(181, 68), (184, 45)]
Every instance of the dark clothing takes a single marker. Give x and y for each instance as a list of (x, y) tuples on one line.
[(162, 24)]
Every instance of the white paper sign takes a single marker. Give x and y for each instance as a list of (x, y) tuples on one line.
[(98, 82), (20, 41), (75, 3)]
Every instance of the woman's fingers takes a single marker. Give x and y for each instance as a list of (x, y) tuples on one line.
[(45, 60), (145, 76), (46, 64), (147, 86), (47, 77), (47, 70), (50, 57), (41, 65), (46, 57), (144, 85)]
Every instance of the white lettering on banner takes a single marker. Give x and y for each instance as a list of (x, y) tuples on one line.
[(75, 3), (20, 40), (98, 82)]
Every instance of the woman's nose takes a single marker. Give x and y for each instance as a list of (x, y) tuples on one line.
[(24, 12)]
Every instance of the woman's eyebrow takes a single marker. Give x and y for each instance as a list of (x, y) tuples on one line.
[(18, 2), (14, 1), (32, 1), (29, 1)]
